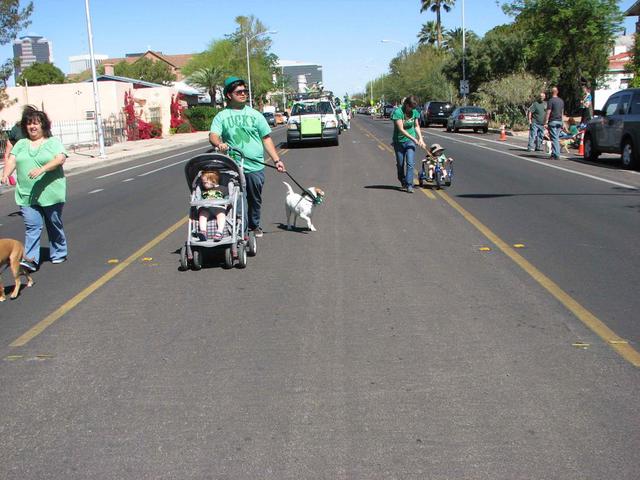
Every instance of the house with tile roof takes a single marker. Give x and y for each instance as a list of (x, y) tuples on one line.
[(175, 62)]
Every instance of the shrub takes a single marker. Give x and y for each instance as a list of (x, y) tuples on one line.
[(184, 127), (201, 117)]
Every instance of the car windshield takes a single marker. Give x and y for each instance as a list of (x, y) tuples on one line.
[(311, 108), (473, 110)]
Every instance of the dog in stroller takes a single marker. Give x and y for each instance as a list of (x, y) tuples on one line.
[(233, 237)]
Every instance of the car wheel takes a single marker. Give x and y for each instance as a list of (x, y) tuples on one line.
[(628, 155), (485, 129), (590, 152)]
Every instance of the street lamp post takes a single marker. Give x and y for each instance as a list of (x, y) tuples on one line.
[(96, 96), (247, 39)]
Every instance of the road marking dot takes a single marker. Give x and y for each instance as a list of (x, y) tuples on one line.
[(582, 345), (518, 245), (147, 259), (112, 261), (484, 249)]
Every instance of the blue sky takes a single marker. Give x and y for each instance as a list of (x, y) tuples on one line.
[(341, 35)]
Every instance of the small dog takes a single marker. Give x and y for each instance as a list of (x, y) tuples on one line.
[(301, 206), (546, 139), (11, 252)]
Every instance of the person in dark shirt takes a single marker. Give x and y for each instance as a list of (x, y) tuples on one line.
[(555, 112), (536, 115)]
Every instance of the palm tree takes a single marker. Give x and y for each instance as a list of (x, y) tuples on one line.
[(437, 6), (208, 78), (428, 34), (453, 38)]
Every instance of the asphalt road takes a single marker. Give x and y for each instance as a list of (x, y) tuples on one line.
[(396, 342)]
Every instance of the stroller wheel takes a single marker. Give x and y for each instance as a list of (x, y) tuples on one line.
[(196, 263), (252, 245), (242, 256), (228, 258), (184, 261)]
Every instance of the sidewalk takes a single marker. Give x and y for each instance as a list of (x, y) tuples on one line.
[(84, 159)]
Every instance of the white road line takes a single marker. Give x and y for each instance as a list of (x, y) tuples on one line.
[(557, 167), (162, 168), (149, 163), (96, 190), (128, 180)]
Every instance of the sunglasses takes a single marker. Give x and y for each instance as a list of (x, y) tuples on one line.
[(241, 92)]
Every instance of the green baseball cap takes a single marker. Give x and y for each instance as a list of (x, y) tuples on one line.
[(229, 82)]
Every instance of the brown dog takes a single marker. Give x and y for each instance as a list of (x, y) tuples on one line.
[(11, 252)]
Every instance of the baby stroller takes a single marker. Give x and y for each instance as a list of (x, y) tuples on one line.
[(236, 241)]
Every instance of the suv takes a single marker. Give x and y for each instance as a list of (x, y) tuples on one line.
[(435, 112), (313, 120), (616, 129)]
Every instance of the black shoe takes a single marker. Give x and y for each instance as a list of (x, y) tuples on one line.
[(28, 264)]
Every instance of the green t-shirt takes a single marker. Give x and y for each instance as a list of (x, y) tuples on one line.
[(409, 124), (50, 187), (243, 129), (538, 111)]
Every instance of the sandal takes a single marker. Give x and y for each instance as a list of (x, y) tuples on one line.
[(217, 236)]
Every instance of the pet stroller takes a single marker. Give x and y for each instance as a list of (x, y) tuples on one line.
[(236, 241)]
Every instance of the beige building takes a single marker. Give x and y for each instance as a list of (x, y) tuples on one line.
[(71, 105)]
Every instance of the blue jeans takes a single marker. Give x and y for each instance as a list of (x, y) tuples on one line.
[(34, 217), (536, 134), (254, 181), (405, 161), (555, 128)]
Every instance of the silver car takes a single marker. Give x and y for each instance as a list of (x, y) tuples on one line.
[(476, 118)]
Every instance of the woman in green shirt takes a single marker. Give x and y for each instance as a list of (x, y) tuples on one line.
[(41, 186), (406, 136)]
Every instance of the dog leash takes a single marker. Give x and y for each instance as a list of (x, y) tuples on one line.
[(314, 198), (317, 200)]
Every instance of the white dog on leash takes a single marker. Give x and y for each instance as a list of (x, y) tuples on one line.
[(301, 205)]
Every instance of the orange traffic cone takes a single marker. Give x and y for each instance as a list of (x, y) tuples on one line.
[(581, 147), (503, 133)]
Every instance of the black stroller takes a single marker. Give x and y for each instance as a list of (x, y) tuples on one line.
[(237, 241)]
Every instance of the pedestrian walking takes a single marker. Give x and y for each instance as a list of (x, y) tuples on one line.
[(41, 187), (243, 128), (586, 103), (536, 115), (406, 136), (553, 120), (14, 135)]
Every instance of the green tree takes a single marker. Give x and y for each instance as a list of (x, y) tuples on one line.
[(208, 69), (428, 34), (145, 69), (568, 41), (634, 64), (13, 19), (41, 74), (437, 6), (209, 79), (509, 97)]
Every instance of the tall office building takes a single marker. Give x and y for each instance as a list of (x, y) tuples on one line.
[(31, 49)]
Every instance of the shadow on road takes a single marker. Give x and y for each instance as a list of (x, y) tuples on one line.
[(383, 187)]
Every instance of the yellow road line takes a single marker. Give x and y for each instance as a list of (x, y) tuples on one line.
[(73, 302), (585, 316), (381, 147)]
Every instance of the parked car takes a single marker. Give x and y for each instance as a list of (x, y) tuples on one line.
[(476, 118), (435, 112), (271, 118), (616, 128), (387, 110)]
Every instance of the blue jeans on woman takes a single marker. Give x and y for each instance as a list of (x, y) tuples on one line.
[(405, 161), (34, 218)]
